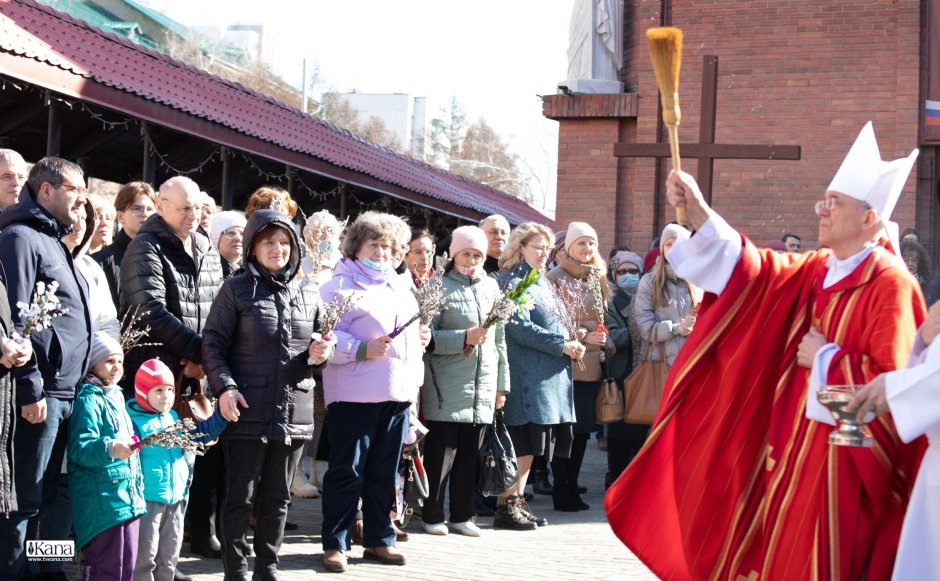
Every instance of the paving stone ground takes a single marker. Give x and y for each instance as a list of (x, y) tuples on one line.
[(574, 546)]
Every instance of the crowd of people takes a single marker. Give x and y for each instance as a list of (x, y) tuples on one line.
[(162, 301), (298, 337)]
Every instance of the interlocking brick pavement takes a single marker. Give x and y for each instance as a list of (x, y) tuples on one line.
[(574, 546)]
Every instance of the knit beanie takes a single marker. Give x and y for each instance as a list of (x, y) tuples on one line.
[(103, 345), (578, 230), (222, 222), (150, 375), (467, 237), (625, 256), (673, 232)]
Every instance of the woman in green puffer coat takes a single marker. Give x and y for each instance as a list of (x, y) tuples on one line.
[(460, 392)]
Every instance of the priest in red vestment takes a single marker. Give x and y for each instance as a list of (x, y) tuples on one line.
[(737, 479)]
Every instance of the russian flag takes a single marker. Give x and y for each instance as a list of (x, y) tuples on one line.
[(932, 113)]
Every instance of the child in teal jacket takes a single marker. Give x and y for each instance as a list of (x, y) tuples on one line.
[(105, 478), (166, 471)]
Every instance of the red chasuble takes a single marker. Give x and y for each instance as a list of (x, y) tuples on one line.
[(734, 481)]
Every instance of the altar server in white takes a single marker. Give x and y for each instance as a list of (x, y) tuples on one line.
[(912, 395)]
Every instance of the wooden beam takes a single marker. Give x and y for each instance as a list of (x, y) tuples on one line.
[(228, 189), (713, 150), (149, 168), (706, 128), (54, 129)]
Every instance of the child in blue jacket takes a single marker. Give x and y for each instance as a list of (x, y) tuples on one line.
[(166, 471), (104, 472)]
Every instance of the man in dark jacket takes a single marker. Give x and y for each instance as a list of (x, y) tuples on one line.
[(170, 275), (31, 251)]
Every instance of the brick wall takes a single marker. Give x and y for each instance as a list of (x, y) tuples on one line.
[(801, 72)]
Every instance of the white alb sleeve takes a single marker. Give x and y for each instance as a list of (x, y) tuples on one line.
[(708, 258)]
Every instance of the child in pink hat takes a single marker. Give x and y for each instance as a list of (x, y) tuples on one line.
[(166, 470)]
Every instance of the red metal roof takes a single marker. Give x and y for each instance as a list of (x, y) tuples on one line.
[(37, 32)]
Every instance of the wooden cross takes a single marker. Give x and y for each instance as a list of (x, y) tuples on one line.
[(707, 151)]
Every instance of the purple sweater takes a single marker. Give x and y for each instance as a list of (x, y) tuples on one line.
[(384, 302)]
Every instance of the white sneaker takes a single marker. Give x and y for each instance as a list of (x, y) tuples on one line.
[(467, 529), (435, 529), (300, 488)]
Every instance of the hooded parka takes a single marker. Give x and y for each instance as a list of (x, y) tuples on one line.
[(256, 340)]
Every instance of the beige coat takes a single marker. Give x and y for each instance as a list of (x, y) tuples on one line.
[(587, 320)]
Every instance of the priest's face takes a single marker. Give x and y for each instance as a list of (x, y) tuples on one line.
[(842, 223)]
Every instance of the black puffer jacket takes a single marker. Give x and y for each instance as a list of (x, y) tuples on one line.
[(256, 341), (172, 291)]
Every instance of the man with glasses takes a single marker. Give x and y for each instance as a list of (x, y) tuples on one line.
[(497, 229), (740, 429), (135, 202), (171, 274), (31, 251), (12, 177)]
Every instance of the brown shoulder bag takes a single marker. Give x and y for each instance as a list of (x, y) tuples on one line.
[(643, 390)]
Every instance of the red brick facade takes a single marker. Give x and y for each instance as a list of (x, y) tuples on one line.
[(800, 72)]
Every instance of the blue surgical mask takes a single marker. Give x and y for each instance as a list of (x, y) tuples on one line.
[(325, 247), (378, 266), (629, 281)]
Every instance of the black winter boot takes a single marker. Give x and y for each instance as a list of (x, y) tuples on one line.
[(508, 516), (562, 493)]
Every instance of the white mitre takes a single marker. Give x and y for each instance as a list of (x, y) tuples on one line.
[(867, 178)]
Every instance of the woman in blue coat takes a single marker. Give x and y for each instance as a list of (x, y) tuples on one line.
[(540, 407)]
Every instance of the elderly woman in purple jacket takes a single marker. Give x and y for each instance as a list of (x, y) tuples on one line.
[(368, 388)]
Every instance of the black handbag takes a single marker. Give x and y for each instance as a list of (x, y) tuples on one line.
[(412, 487), (498, 469)]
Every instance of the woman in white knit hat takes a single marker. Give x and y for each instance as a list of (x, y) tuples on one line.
[(226, 234), (581, 264), (460, 392), (665, 304)]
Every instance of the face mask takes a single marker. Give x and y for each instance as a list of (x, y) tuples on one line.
[(469, 271), (629, 281), (325, 247), (380, 267)]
